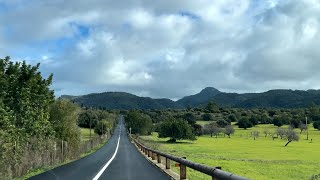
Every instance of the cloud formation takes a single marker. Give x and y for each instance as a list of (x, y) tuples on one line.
[(166, 48)]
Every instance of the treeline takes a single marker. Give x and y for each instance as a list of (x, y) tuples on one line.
[(35, 129), (169, 123)]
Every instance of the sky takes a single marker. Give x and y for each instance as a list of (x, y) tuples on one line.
[(166, 49)]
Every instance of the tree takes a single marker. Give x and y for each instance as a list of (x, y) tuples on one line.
[(64, 116), (265, 119), (176, 129), (255, 134), (229, 130), (281, 132), (266, 132), (277, 122), (222, 123), (207, 117), (316, 125), (302, 128), (232, 118), (88, 118), (25, 99), (139, 123), (295, 123), (197, 129), (27, 95), (212, 129), (190, 117), (244, 123), (254, 120), (103, 126), (291, 135), (212, 107)]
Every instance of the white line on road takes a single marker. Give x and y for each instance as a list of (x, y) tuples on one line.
[(108, 163)]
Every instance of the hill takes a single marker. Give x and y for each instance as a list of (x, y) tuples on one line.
[(203, 97), (280, 98), (122, 100)]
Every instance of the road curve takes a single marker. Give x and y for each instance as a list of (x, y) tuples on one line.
[(127, 163)]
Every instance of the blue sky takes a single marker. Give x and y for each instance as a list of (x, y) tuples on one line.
[(166, 48)]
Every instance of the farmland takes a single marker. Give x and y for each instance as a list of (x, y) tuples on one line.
[(263, 158)]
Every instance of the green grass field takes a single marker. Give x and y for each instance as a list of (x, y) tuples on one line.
[(263, 158), (85, 134)]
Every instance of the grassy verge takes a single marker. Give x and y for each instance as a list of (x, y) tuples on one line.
[(263, 158)]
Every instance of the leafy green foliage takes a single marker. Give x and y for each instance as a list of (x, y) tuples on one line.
[(139, 123), (190, 117), (176, 129), (88, 119), (212, 107), (254, 120), (207, 117), (64, 116), (245, 123), (222, 123), (316, 125), (25, 98), (232, 118)]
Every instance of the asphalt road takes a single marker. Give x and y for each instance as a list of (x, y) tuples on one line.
[(126, 163)]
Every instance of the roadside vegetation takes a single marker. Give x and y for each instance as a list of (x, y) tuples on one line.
[(37, 130)]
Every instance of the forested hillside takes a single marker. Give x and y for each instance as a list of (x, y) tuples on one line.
[(270, 99), (122, 100)]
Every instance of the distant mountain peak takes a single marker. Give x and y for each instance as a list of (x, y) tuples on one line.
[(209, 90), (206, 94)]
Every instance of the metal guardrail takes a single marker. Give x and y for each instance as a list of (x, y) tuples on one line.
[(215, 172)]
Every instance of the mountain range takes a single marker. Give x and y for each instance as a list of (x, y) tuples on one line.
[(280, 98)]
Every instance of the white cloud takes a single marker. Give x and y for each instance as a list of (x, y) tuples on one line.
[(170, 48)]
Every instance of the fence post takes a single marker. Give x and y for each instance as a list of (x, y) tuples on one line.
[(168, 166), (159, 158), (183, 171), (153, 155), (62, 152)]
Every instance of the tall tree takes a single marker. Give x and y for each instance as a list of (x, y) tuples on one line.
[(176, 129), (139, 123)]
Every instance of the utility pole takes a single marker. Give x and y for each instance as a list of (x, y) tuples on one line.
[(307, 128)]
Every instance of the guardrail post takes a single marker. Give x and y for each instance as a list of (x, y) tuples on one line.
[(153, 155), (183, 171), (159, 158), (149, 153), (168, 166)]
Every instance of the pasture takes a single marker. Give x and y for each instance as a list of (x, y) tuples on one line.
[(263, 158)]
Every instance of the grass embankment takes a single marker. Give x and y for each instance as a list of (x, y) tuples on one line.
[(262, 158), (85, 136)]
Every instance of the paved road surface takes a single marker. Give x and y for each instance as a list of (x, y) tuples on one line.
[(126, 163)]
